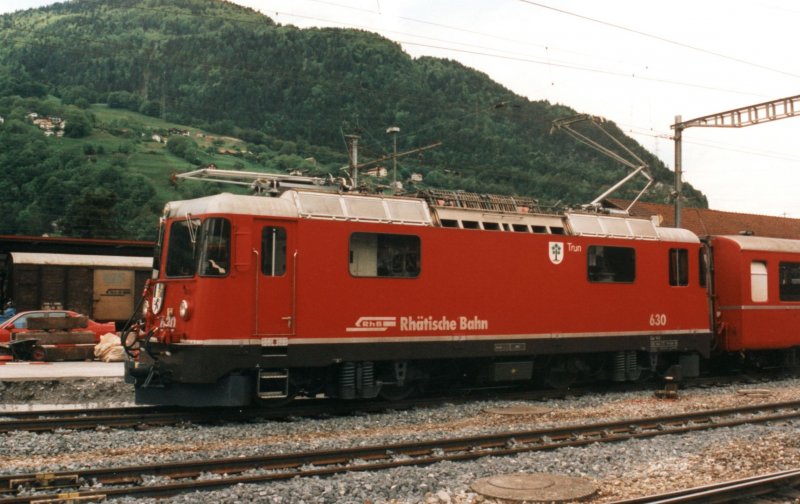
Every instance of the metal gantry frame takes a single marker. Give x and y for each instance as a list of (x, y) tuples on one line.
[(736, 118)]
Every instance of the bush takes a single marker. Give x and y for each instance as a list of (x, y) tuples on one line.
[(151, 108), (124, 99)]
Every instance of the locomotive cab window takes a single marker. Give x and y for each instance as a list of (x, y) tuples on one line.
[(611, 264), (182, 247), (273, 251), (678, 267), (789, 274), (215, 247), (384, 255)]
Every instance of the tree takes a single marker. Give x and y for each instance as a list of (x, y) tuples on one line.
[(92, 215), (78, 123)]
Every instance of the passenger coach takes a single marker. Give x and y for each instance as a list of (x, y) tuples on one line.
[(757, 294)]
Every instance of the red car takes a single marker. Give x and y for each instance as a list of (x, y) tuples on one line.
[(41, 347)]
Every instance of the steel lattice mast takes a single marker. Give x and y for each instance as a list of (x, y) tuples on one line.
[(736, 118)]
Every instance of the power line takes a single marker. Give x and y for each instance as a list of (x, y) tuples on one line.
[(523, 59), (716, 145), (509, 56), (663, 39), (546, 47), (454, 49), (587, 69)]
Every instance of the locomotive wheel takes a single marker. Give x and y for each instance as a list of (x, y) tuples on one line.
[(560, 374), (38, 353), (395, 392), (560, 380)]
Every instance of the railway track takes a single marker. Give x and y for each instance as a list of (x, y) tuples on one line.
[(139, 416), (773, 487), (179, 477), (153, 416)]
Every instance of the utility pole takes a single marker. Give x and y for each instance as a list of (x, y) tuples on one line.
[(736, 118), (353, 140), (394, 130), (678, 169)]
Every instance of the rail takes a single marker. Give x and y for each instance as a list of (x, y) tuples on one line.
[(728, 491), (193, 475)]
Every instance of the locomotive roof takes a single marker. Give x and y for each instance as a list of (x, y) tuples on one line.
[(763, 243), (227, 203), (417, 211), (320, 205), (626, 227)]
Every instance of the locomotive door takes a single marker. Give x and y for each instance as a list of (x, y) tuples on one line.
[(275, 282)]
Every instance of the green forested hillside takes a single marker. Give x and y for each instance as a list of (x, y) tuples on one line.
[(289, 95)]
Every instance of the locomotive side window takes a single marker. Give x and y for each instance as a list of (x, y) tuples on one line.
[(273, 251), (789, 274), (758, 281), (678, 267), (384, 255), (215, 247), (181, 248), (611, 264)]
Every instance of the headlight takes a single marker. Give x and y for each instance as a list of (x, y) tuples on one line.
[(145, 308), (183, 310)]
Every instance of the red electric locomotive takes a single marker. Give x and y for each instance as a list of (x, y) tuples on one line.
[(357, 296)]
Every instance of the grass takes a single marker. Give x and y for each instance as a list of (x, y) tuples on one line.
[(123, 133)]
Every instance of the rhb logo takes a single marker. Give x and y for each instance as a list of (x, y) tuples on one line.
[(364, 324)]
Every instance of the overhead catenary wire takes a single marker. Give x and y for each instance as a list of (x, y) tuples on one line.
[(664, 39), (484, 53), (454, 49)]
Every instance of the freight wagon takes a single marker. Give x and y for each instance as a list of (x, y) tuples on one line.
[(104, 288)]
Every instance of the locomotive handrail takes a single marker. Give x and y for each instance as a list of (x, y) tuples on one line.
[(255, 311), (271, 183)]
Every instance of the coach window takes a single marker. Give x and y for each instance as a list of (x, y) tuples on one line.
[(678, 267), (182, 247), (384, 255), (789, 274), (758, 281), (273, 251), (611, 264)]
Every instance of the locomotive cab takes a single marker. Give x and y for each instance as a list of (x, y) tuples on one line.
[(221, 292)]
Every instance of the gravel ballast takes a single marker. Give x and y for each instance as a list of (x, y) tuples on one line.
[(636, 467)]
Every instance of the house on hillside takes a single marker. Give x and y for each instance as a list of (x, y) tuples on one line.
[(378, 171), (51, 125), (704, 222)]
